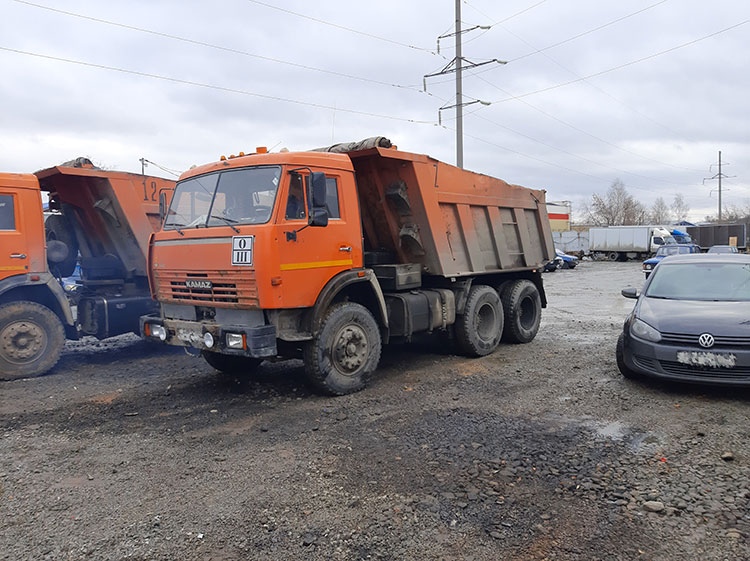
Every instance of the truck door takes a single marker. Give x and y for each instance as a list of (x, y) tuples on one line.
[(310, 257), (15, 241)]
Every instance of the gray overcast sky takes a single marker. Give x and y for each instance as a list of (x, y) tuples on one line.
[(645, 91)]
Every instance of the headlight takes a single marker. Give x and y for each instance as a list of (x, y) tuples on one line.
[(235, 340), (208, 340), (156, 331), (642, 330), (648, 267)]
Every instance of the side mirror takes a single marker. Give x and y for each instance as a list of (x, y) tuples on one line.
[(630, 292), (318, 217), (162, 206), (318, 189)]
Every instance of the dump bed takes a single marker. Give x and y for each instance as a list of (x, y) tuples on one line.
[(454, 222), (112, 213)]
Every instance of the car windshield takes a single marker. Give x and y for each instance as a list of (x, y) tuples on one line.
[(672, 250), (238, 196), (729, 282)]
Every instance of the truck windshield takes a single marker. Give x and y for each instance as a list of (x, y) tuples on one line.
[(238, 196)]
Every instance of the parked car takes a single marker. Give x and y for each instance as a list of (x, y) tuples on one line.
[(664, 251), (723, 249), (690, 322), (568, 261)]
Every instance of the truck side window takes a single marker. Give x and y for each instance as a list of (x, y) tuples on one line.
[(7, 213), (332, 198), (295, 203)]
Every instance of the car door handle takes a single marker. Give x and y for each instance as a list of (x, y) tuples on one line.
[(18, 256), (346, 248)]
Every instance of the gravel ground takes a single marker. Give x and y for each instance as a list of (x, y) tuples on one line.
[(538, 452)]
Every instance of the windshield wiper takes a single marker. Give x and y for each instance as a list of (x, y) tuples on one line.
[(228, 221)]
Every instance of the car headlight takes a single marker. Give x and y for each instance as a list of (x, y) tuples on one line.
[(648, 266), (642, 330)]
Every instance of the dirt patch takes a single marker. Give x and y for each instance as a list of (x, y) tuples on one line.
[(539, 451)]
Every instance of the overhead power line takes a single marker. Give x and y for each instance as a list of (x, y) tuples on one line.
[(342, 27), (210, 86), (414, 87), (626, 64)]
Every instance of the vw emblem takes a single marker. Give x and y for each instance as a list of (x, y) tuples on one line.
[(706, 340)]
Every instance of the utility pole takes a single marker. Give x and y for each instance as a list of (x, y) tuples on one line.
[(459, 93), (457, 66), (718, 176)]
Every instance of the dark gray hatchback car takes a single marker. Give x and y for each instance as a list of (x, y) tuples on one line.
[(690, 322)]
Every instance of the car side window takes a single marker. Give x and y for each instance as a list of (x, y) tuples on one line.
[(7, 213)]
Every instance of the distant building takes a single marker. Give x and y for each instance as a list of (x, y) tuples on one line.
[(559, 215)]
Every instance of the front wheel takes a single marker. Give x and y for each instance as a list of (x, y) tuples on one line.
[(480, 327), (346, 350), (31, 340), (232, 364), (523, 311), (620, 358)]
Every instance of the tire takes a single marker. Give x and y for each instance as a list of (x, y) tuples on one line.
[(480, 328), (523, 311), (57, 227), (345, 352), (31, 340), (613, 256), (232, 364), (619, 356)]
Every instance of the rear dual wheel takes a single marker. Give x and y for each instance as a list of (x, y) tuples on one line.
[(523, 311), (480, 327)]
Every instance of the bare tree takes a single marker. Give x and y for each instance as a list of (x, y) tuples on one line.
[(680, 208), (732, 213), (616, 208), (660, 213)]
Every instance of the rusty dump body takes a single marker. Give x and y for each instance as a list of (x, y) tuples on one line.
[(452, 221), (112, 213), (79, 269)]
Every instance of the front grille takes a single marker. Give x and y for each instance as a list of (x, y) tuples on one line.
[(683, 339), (227, 287), (679, 369)]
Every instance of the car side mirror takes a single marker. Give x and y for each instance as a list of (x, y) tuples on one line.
[(630, 292)]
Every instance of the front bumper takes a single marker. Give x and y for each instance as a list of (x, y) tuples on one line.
[(721, 366), (257, 341)]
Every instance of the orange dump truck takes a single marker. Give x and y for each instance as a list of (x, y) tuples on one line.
[(384, 245), (101, 219)]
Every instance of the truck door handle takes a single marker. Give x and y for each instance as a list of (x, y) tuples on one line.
[(18, 256), (346, 248)]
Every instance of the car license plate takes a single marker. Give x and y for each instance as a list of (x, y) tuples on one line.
[(707, 360)]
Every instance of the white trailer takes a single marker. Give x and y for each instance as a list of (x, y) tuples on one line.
[(619, 243)]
